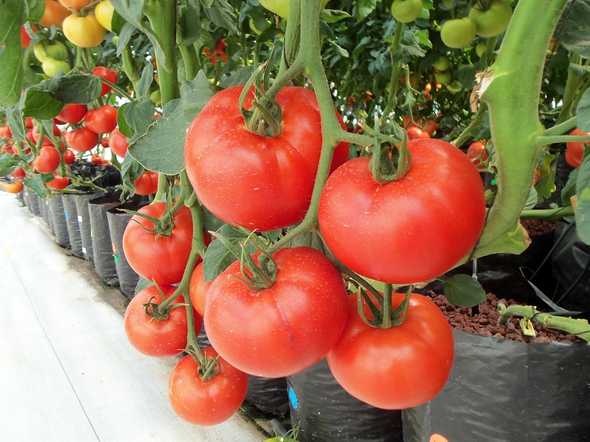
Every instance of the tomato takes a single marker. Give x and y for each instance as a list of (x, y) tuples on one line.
[(8, 149), (281, 7), (106, 74), (406, 11), (481, 49), (405, 231), (75, 4), (443, 77), (441, 64), (58, 183), (574, 153), (5, 132), (97, 160), (477, 153), (282, 329), (458, 33), (257, 182), (35, 134), (47, 160), (72, 113), (415, 132), (102, 119), (25, 38), (118, 143), (158, 258), (492, 21), (53, 68), (16, 187), (411, 362), (146, 184), (84, 32), (157, 337), (430, 127), (104, 14), (198, 288), (207, 402), (29, 122), (19, 173), (54, 14), (69, 157), (81, 140), (438, 438)]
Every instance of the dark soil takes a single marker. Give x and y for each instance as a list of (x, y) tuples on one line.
[(538, 227), (484, 319)]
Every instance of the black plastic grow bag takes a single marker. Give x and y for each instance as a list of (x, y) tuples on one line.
[(45, 216), (502, 390), (102, 249), (58, 220), (72, 225), (84, 222), (325, 412), (118, 220), (35, 204)]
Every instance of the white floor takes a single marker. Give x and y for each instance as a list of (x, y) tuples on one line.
[(67, 372)]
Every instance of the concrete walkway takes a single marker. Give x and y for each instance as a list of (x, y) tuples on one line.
[(67, 372)]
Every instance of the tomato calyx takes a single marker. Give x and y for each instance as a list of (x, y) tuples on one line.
[(389, 162), (264, 117)]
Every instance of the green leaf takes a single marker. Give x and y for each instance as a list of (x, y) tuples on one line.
[(146, 80), (583, 201), (7, 163), (135, 117), (239, 76), (334, 15), (77, 88), (464, 291), (218, 257), (194, 95), (572, 30), (142, 284), (37, 185), (34, 9), (14, 117), (569, 189), (514, 242), (40, 103), (125, 35), (190, 23), (222, 14), (532, 199), (583, 112), (11, 53), (363, 8)]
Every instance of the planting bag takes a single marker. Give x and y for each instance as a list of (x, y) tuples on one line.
[(325, 412), (20, 197), (268, 395), (118, 220), (44, 208), (102, 249), (35, 204), (84, 222), (58, 220), (72, 225), (502, 390)]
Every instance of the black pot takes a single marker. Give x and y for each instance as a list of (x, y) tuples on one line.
[(324, 411), (502, 390), (118, 220), (72, 225), (58, 219), (82, 200), (102, 249), (35, 204), (44, 205), (27, 198)]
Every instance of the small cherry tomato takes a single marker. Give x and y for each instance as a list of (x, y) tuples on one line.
[(106, 74), (81, 140), (58, 183), (102, 119), (72, 113), (146, 184), (118, 143)]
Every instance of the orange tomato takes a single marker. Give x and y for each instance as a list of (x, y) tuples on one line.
[(54, 14)]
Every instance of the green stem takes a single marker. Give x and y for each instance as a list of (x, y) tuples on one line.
[(562, 128), (556, 139), (162, 188), (189, 57), (292, 34), (395, 67), (548, 214), (117, 89), (129, 67), (571, 87), (512, 96), (386, 308), (471, 127)]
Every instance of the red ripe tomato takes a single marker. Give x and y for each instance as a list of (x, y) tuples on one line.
[(47, 160), (29, 136), (574, 153), (118, 143), (19, 173), (146, 184), (413, 360), (97, 160), (8, 149), (285, 328), (207, 402), (477, 154), (198, 288), (81, 140), (258, 182), (102, 119), (29, 122), (155, 257), (430, 126), (106, 74), (69, 157), (58, 183), (72, 113), (415, 132), (157, 337), (25, 38), (5, 132), (405, 231)]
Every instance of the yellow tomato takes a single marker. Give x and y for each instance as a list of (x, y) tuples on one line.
[(84, 32), (104, 14), (75, 4)]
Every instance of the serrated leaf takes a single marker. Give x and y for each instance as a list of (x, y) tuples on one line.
[(125, 35), (135, 117), (14, 118), (11, 53), (36, 184), (77, 88), (146, 80), (572, 30), (239, 76), (583, 112), (464, 291), (40, 104), (194, 95), (218, 257), (7, 163)]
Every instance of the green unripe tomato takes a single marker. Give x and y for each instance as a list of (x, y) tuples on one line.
[(443, 77), (156, 97), (441, 64), (455, 87), (492, 22), (448, 4), (54, 51), (406, 11), (458, 33), (481, 49), (53, 68), (281, 7), (258, 25)]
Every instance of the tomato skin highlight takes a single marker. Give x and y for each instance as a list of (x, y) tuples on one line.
[(415, 133), (81, 139), (146, 184), (207, 402), (574, 153), (285, 328), (253, 181), (405, 231), (106, 74), (158, 258), (154, 337), (72, 113), (118, 143), (102, 119), (47, 161), (396, 368), (198, 288)]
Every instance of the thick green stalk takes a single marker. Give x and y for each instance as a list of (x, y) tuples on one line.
[(561, 128), (395, 67), (512, 93), (471, 127), (548, 214), (556, 139), (291, 36), (189, 58)]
